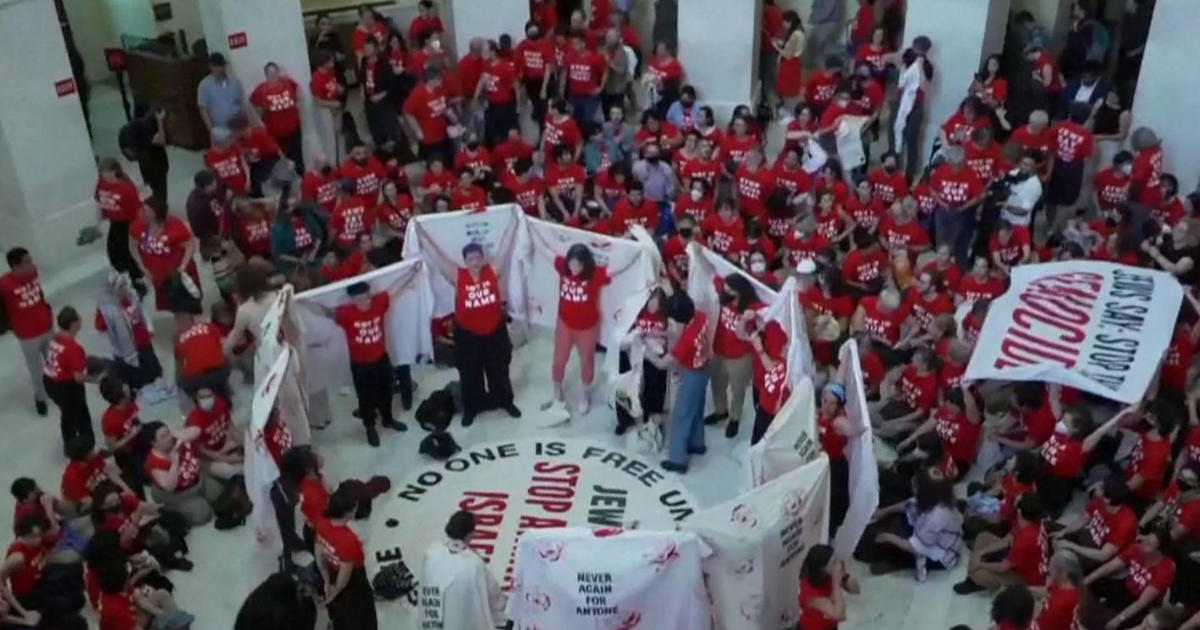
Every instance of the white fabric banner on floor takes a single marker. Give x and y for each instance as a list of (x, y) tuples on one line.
[(1095, 326), (791, 441), (324, 355), (759, 541), (609, 580), (260, 469), (863, 485), (440, 238)]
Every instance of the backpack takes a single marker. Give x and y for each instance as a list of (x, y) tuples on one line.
[(439, 445), (233, 505), (394, 581), (435, 412)]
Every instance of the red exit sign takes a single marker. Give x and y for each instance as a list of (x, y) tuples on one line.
[(66, 87), (237, 40)]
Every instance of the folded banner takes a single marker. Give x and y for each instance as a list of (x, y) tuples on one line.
[(323, 352), (1095, 326), (860, 453), (791, 441), (609, 580), (260, 469), (276, 332), (758, 542)]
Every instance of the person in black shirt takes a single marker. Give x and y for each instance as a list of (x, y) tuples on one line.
[(144, 140)]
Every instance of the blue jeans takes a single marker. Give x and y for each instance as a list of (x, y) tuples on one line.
[(686, 430), (583, 109), (956, 228)]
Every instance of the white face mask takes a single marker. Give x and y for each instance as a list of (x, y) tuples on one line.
[(1062, 428), (758, 267), (206, 403), (697, 195), (436, 44)]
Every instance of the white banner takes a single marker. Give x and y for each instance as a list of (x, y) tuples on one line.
[(260, 469), (324, 354), (276, 332), (759, 541), (609, 580), (1096, 326), (791, 441), (860, 454)]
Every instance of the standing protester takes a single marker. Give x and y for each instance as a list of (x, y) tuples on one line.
[(119, 202), (164, 249), (689, 356), (584, 74), (481, 344), (219, 95), (363, 321), (377, 90), (650, 330), (208, 210), (499, 86), (732, 368), (29, 316), (329, 96), (535, 61), (64, 375), (579, 286), (471, 597), (429, 118), (277, 101), (341, 561), (144, 140)]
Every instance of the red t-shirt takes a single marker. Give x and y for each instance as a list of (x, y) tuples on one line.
[(1012, 490), (888, 188), (1147, 171), (707, 170), (189, 467), (117, 612), (498, 79), (527, 193), (314, 497), (925, 309), (161, 253), (79, 478), (987, 161), (579, 298), (118, 422), (863, 266), (918, 390), (365, 328), (254, 235), (1012, 252), (214, 425), (337, 545), (971, 288), (771, 385), (665, 69), (477, 303), (691, 349), (28, 313), (721, 236), (1119, 529), (257, 144), (428, 106), (726, 343), (1064, 456), (908, 236), (866, 214), (199, 349), (368, 178), (534, 57), (1112, 188), (396, 215), (1058, 611), (821, 87), (958, 129), (794, 181), (472, 199), (280, 105), (1179, 359), (506, 154), (325, 86), (882, 326), (811, 618), (832, 442), (584, 71), (1142, 573), (558, 132), (1030, 553), (118, 199), (564, 180), (960, 436), (735, 148), (955, 188), (24, 581), (1072, 142), (228, 166), (320, 189), (422, 25), (625, 215), (478, 159), (685, 206), (65, 359), (1150, 459), (352, 218), (1039, 423), (359, 36)]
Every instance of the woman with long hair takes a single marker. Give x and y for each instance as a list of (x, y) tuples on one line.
[(650, 330), (824, 583), (925, 529), (341, 561), (164, 249), (579, 286), (789, 80), (119, 202), (732, 365)]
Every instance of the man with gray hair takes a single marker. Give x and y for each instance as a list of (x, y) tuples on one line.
[(1036, 136), (958, 191)]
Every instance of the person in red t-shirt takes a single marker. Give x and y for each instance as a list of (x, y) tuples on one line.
[(1009, 246), (635, 209), (395, 209), (584, 72), (328, 95), (225, 160), (580, 284), (258, 148), (913, 397), (689, 356), (564, 185), (1046, 78), (887, 182), (429, 118), (534, 58), (1073, 145), (1028, 553), (957, 422), (118, 202), (164, 249), (219, 446), (732, 366), (1128, 586), (364, 321), (823, 578), (21, 574), (277, 101), (649, 331), (200, 359), (1146, 184), (425, 22), (1037, 136), (466, 195), (63, 375), (498, 85), (121, 429), (124, 605), (341, 561), (866, 266), (29, 316), (958, 191)]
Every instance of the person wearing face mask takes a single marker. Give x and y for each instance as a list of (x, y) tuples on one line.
[(693, 203), (219, 445), (470, 597), (655, 174), (760, 270), (674, 250), (1110, 187), (684, 113)]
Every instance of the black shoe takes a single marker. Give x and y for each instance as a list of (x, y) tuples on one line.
[(394, 425), (622, 428), (468, 418), (967, 586), (714, 418), (179, 564), (42, 410), (512, 410), (883, 568), (372, 436), (731, 429), (671, 466), (698, 450)]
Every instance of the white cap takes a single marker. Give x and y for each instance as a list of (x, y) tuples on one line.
[(806, 266)]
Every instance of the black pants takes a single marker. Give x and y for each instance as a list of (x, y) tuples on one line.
[(71, 400), (762, 420), (839, 492), (533, 89), (443, 151), (482, 362), (154, 173), (145, 372), (293, 149), (383, 122), (132, 465), (354, 607), (119, 256), (373, 383), (53, 616), (654, 391), (216, 380), (497, 121), (1108, 597), (403, 385), (260, 172)]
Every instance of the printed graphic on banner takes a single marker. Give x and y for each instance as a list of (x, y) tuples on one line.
[(1095, 326), (791, 440), (260, 469), (863, 484), (759, 541), (519, 485), (628, 580)]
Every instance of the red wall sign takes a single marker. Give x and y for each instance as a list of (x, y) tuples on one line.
[(237, 40), (66, 87), (115, 58)]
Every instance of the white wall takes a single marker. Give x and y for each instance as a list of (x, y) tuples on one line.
[(1167, 96), (501, 16), (185, 14), (131, 17), (93, 33), (718, 47)]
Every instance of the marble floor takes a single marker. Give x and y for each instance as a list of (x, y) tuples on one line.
[(228, 564)]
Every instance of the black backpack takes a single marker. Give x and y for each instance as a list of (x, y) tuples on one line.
[(394, 581), (435, 412), (439, 445)]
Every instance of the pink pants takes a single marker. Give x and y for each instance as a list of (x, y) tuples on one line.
[(584, 341)]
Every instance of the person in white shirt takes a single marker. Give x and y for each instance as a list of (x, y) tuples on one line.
[(457, 592), (1024, 192)]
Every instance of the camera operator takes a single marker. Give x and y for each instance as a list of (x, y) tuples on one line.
[(1013, 198)]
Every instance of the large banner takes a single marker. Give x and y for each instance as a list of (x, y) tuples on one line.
[(860, 454), (323, 352), (260, 469), (1095, 326), (758, 542), (791, 441), (278, 331), (609, 580)]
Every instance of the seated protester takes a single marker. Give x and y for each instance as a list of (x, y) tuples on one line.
[(467, 195), (1106, 526), (649, 330), (689, 152), (901, 233), (993, 509), (252, 228), (527, 187), (609, 186), (736, 144), (259, 149), (866, 211), (1178, 509), (1019, 558), (943, 263), (1178, 252), (823, 578), (1012, 608), (833, 223), (865, 267), (823, 83), (943, 331), (955, 359), (926, 300), (635, 209), (802, 242), (564, 185), (1177, 369), (219, 445), (343, 262), (200, 360), (124, 606), (22, 571), (1064, 591), (724, 228), (756, 240), (86, 468), (957, 422), (178, 483), (1110, 187), (887, 182), (791, 177), (1173, 207), (1036, 408), (139, 526), (437, 181), (694, 203), (980, 284), (1066, 453), (832, 178), (395, 209), (902, 409), (1009, 246), (881, 316), (1125, 588), (593, 218), (1148, 464), (674, 250), (473, 157), (925, 530), (32, 501), (655, 130)]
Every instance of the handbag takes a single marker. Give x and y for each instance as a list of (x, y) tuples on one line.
[(394, 581)]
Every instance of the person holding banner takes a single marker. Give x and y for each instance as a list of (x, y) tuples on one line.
[(770, 376), (363, 322), (458, 590), (650, 330), (732, 366), (835, 432), (579, 286), (690, 356), (1067, 451), (482, 349)]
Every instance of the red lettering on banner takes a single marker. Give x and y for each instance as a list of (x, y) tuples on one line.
[(1062, 304), (66, 87), (238, 40)]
